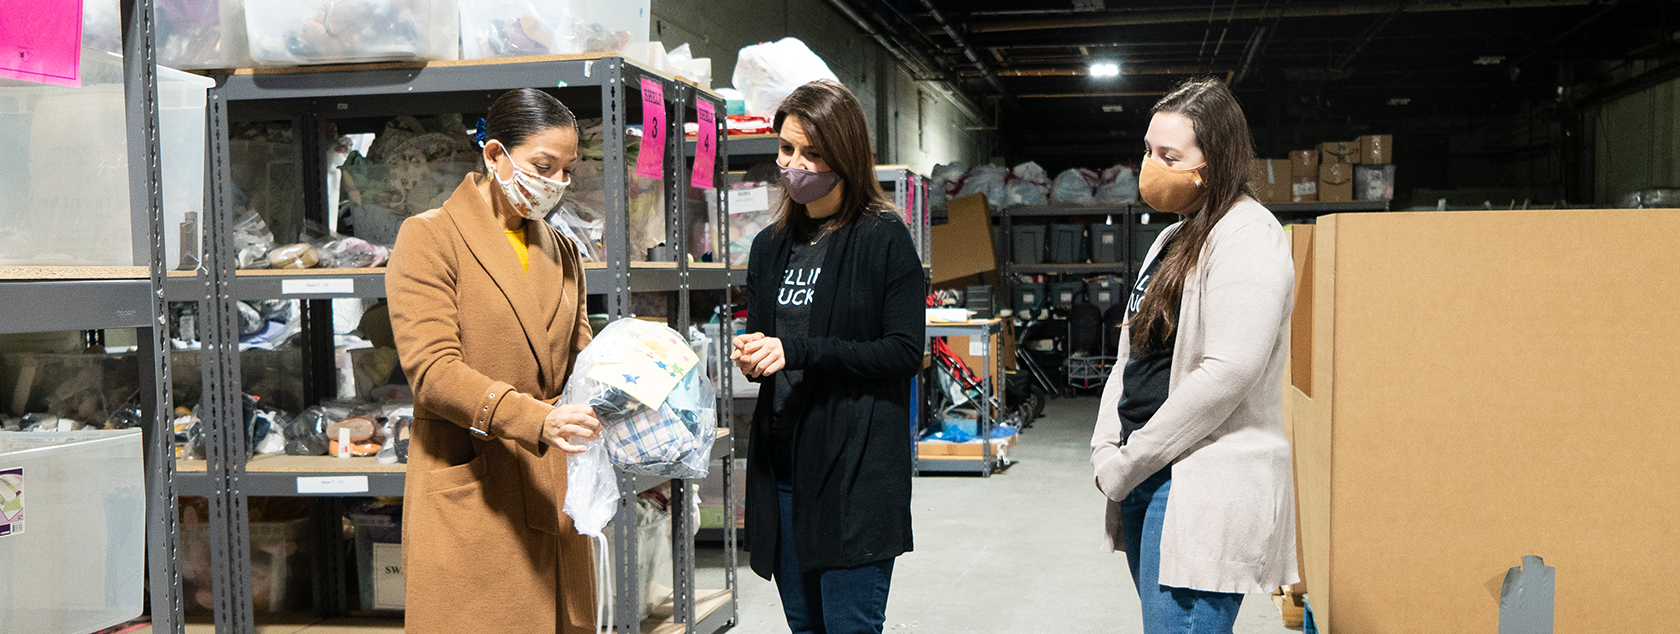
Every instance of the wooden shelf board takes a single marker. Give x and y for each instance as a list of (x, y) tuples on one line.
[(67, 273), (706, 602), (319, 272), (279, 463)]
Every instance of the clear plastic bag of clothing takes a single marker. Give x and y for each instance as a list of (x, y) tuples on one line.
[(658, 414)]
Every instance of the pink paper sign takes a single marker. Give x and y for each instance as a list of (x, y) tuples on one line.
[(705, 145), (651, 162), (41, 41)]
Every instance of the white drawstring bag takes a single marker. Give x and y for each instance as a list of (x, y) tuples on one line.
[(658, 414)]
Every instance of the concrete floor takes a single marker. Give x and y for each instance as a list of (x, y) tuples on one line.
[(1017, 553)]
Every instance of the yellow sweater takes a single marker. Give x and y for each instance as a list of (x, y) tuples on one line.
[(517, 239)]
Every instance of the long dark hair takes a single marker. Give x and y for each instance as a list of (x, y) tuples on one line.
[(522, 113), (833, 121), (1222, 134)]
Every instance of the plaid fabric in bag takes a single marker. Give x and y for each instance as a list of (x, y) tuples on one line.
[(648, 437)]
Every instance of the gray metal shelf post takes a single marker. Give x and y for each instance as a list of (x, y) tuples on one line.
[(145, 195)]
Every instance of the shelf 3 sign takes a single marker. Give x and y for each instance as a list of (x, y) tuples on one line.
[(651, 162), (41, 42)]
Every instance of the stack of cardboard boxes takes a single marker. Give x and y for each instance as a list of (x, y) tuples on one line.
[(1341, 171)]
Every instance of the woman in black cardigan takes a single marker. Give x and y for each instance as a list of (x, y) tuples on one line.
[(835, 335)]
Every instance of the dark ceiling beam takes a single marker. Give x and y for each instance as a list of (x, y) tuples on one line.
[(911, 59), (1145, 17), (973, 56), (1082, 71)]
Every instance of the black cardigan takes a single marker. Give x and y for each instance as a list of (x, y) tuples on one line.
[(852, 448)]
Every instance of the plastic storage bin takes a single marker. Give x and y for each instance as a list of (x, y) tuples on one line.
[(1029, 244), (1029, 296), (280, 568), (379, 561), (294, 32), (513, 28), (1106, 292), (1143, 237), (1066, 243), (202, 34), (978, 300), (1105, 243), (1065, 293), (77, 213), (72, 530)]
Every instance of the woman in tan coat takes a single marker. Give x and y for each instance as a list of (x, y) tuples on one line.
[(488, 308)]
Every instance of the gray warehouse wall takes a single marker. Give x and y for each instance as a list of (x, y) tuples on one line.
[(1637, 144), (913, 123)]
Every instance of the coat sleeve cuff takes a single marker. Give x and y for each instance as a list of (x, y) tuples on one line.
[(1116, 477), (505, 413), (795, 353)]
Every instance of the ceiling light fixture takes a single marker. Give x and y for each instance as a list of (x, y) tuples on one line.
[(1400, 101), (1113, 107), (1105, 69), (1489, 60)]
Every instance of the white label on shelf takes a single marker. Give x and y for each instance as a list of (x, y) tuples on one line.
[(345, 286), (388, 584), (976, 348), (747, 201), (1306, 189), (1108, 238), (307, 485)]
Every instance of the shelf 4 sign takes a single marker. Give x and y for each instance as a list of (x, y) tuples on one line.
[(650, 163), (705, 145), (41, 42)]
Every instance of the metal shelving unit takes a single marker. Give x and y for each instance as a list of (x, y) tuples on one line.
[(987, 462), (312, 98), (56, 298)]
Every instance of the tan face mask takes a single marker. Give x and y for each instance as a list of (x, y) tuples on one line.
[(1178, 191)]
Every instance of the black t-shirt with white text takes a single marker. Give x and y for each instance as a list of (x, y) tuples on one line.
[(1148, 371), (793, 320)]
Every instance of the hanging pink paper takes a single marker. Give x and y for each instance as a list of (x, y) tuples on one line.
[(705, 145), (651, 162), (41, 41)]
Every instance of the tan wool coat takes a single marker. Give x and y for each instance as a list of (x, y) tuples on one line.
[(487, 347)]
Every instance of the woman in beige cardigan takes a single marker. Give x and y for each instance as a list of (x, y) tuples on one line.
[(488, 309), (1193, 408)]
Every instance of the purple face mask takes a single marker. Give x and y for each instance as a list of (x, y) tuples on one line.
[(805, 186)]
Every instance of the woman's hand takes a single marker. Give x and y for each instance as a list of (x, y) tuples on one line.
[(758, 355), (570, 421)]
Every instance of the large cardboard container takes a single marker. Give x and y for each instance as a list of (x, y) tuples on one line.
[(1484, 386), (1271, 178), (965, 239), (1335, 182)]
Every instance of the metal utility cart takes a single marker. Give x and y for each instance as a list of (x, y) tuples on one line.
[(309, 99), (987, 461)]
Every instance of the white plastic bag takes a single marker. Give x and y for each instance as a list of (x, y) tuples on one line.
[(1119, 186), (947, 181), (684, 64), (767, 73), (1075, 187), (658, 414), (984, 179), (1028, 184)]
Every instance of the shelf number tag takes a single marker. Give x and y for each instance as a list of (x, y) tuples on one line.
[(310, 485), (651, 162), (705, 144), (334, 286)]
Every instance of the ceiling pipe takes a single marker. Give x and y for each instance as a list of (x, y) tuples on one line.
[(921, 70), (1145, 17), (973, 56), (1249, 55)]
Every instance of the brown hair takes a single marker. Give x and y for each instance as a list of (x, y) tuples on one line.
[(1222, 134), (833, 121)]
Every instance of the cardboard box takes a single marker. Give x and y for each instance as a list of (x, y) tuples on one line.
[(966, 239), (1338, 152), (1335, 182), (1373, 182), (1376, 149), (1530, 412), (1303, 182), (1271, 179)]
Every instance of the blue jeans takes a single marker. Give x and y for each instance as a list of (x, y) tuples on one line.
[(836, 601), (1167, 610)]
